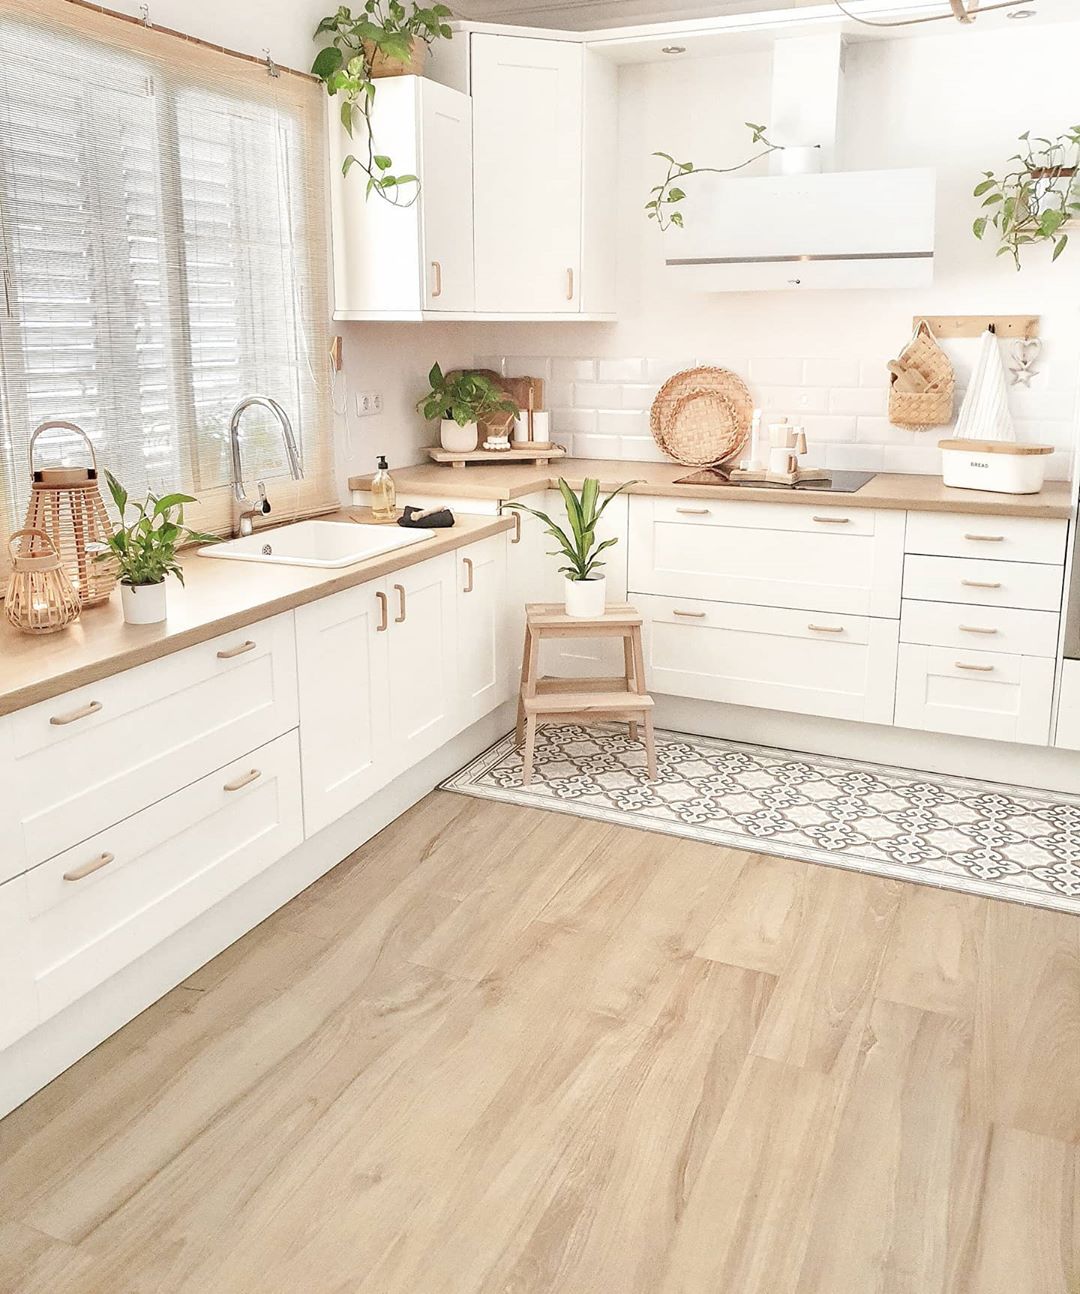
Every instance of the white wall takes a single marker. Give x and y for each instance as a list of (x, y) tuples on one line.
[(247, 26)]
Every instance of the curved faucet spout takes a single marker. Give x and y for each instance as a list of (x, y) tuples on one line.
[(248, 509)]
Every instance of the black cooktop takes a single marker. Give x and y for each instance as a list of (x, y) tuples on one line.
[(837, 482)]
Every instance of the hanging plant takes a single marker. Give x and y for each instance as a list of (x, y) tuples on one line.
[(665, 197), (1032, 203), (385, 39)]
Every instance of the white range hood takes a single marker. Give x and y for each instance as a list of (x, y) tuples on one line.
[(836, 229)]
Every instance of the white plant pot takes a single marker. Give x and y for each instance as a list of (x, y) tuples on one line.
[(458, 440), (144, 604), (586, 599)]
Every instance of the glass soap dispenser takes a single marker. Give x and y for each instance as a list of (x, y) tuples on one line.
[(383, 493)]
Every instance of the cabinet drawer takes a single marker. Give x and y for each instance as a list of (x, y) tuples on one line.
[(1009, 539), (90, 917), (770, 555), (91, 757), (983, 583), (974, 694), (999, 629), (838, 666)]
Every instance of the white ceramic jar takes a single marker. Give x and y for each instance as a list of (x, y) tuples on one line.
[(457, 439), (586, 599), (144, 604)]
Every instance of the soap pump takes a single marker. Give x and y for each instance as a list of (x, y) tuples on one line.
[(383, 492)]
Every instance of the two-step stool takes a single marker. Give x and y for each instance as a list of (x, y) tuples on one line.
[(618, 699)]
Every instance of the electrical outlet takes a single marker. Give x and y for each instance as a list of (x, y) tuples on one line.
[(368, 403)]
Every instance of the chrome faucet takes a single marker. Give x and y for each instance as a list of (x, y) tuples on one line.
[(248, 509)]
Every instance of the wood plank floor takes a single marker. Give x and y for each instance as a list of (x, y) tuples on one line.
[(502, 1050)]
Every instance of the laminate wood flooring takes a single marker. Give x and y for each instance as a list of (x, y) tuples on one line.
[(500, 1050)]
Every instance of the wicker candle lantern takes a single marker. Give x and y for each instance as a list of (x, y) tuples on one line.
[(66, 504), (40, 598)]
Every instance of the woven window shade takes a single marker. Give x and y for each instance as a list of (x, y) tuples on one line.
[(163, 248)]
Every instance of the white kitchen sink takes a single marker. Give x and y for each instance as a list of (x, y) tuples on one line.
[(316, 543)]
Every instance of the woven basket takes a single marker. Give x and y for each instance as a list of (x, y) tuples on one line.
[(39, 599), (717, 413), (934, 406)]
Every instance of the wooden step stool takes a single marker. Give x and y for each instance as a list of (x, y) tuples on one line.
[(623, 699)]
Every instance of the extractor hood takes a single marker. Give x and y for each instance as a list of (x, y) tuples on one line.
[(833, 229)]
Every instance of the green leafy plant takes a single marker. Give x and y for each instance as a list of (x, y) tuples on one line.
[(465, 397), (383, 29), (1032, 203), (583, 512), (665, 196), (145, 549)]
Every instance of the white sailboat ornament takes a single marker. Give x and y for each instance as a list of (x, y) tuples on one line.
[(984, 453)]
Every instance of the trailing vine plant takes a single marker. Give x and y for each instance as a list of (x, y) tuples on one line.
[(665, 197), (383, 28), (1032, 203)]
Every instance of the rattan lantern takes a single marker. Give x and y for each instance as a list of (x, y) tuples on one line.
[(66, 504), (40, 598)]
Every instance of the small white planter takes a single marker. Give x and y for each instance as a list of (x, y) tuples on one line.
[(458, 440), (144, 604), (586, 599)]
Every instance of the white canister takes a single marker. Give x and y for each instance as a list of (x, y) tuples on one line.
[(586, 599), (1000, 466), (541, 428), (144, 604)]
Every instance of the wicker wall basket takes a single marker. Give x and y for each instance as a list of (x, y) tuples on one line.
[(934, 406), (66, 504)]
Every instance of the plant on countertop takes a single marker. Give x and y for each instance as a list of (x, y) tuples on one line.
[(385, 31), (583, 512), (665, 197), (1032, 203), (464, 397), (145, 549)]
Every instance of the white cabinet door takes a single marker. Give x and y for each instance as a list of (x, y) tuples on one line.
[(18, 993), (423, 665), (446, 197), (341, 654), (527, 173), (483, 656)]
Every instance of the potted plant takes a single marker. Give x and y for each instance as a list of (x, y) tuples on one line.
[(584, 591), (384, 39), (145, 550), (460, 401), (1033, 202)]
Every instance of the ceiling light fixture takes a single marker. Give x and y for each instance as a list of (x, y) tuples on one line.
[(673, 49), (964, 11)]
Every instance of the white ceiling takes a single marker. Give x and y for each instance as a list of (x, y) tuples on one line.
[(588, 15)]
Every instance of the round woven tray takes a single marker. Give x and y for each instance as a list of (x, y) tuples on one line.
[(702, 416)]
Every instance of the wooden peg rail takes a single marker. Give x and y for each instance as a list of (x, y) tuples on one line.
[(1010, 326)]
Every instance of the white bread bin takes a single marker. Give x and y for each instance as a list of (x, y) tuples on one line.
[(1001, 466)]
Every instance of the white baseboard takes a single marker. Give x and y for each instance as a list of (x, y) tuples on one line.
[(59, 1042), (1040, 767)]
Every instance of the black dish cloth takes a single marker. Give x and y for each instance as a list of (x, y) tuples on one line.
[(441, 520)]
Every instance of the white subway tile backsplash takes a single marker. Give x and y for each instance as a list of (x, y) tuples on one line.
[(588, 395), (638, 396), (659, 370), (597, 447), (858, 400), (493, 362), (855, 458), (527, 366), (874, 372), (622, 422), (827, 427), (830, 372), (571, 422), (792, 401), (620, 370), (911, 458), (573, 370), (558, 394), (776, 372)]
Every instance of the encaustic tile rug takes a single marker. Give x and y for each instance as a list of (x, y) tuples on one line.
[(980, 837)]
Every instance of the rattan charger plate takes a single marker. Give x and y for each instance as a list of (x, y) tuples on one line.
[(702, 416)]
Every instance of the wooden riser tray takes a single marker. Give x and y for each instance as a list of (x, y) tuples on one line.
[(522, 454)]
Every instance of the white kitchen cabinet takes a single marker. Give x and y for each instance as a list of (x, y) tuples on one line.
[(1067, 735), (19, 1011), (837, 666), (983, 582), (483, 650), (1013, 539), (343, 672), (401, 260), (974, 694)]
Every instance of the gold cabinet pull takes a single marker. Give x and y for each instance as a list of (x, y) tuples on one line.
[(981, 584), (977, 629), (245, 779), (400, 617), (978, 669), (87, 869), (832, 521), (437, 290), (83, 712), (569, 284), (826, 629), (985, 539), (230, 653), (469, 572), (517, 529), (694, 512), (690, 615), (384, 613)]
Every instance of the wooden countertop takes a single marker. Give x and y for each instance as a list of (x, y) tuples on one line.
[(221, 596), (903, 492)]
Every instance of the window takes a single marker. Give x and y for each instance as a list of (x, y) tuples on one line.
[(163, 253)]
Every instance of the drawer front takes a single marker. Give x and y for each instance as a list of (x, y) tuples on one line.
[(998, 629), (983, 583), (780, 555), (1006, 539), (97, 907), (838, 666), (91, 757), (974, 694)]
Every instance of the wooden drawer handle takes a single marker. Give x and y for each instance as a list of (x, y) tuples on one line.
[(569, 284), (86, 869), (691, 615), (694, 512), (832, 521), (981, 584), (976, 629), (468, 564), (437, 270), (985, 539), (245, 779), (517, 529), (399, 589), (83, 712), (230, 653), (384, 613), (978, 669), (826, 629)]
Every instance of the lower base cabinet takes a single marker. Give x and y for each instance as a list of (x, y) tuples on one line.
[(19, 1011), (1067, 735)]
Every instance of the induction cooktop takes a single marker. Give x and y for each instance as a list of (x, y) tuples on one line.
[(835, 483)]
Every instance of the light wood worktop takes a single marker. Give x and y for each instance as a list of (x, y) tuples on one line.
[(220, 596), (903, 492)]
